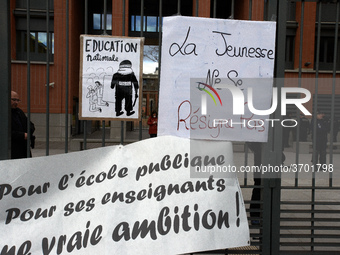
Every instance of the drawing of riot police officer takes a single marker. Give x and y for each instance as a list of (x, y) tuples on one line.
[(125, 81)]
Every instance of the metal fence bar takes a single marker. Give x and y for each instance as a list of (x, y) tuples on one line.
[(232, 9), (312, 248), (141, 35), (47, 78), (179, 7), (86, 32), (317, 62), (104, 33), (105, 17), (160, 29), (67, 74), (5, 77), (255, 206), (197, 8), (123, 34), (336, 41), (250, 9), (274, 10), (299, 84), (28, 78)]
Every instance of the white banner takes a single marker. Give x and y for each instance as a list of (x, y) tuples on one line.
[(213, 73), (134, 199), (110, 77)]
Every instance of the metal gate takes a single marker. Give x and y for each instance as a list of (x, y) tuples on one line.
[(294, 215), (300, 214)]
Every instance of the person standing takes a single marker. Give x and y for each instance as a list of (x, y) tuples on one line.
[(152, 122), (304, 128), (322, 129), (19, 130)]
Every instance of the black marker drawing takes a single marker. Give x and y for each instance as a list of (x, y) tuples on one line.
[(125, 81), (100, 92), (95, 96)]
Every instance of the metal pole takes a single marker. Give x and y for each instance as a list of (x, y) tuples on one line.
[(232, 9), (250, 9), (105, 33), (67, 75), (5, 77), (314, 126), (122, 122), (105, 16), (245, 179), (316, 83), (86, 32), (28, 79), (47, 77), (336, 42), (197, 8), (275, 11), (160, 26), (299, 80), (141, 35)]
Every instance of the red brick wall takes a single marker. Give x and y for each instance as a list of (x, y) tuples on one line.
[(308, 34), (38, 79), (58, 68), (257, 10), (117, 18), (203, 8)]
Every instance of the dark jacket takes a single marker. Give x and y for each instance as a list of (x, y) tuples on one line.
[(322, 129), (19, 128), (125, 80)]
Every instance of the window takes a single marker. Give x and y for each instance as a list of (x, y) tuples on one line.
[(150, 24), (222, 10), (96, 22), (326, 51), (99, 22), (151, 19), (38, 45), (290, 44), (34, 4), (291, 28), (38, 33), (327, 38)]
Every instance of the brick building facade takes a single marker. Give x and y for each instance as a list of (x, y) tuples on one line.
[(82, 19)]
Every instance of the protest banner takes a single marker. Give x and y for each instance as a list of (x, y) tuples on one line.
[(211, 69), (134, 199), (110, 77)]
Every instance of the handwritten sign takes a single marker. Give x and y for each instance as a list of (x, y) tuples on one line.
[(207, 66), (137, 199), (111, 77)]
